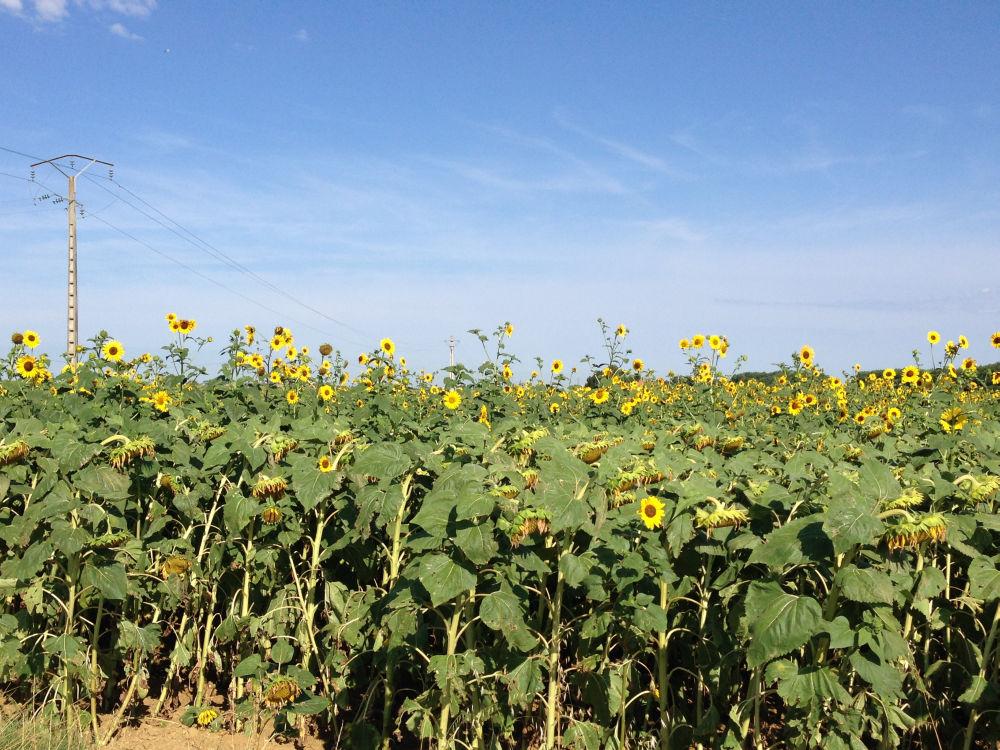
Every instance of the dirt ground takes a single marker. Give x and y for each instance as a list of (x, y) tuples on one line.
[(163, 734)]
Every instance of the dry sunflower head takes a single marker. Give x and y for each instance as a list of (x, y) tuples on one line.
[(281, 692), (269, 487), (719, 516), (175, 565), (271, 515), (13, 452), (124, 454), (930, 527)]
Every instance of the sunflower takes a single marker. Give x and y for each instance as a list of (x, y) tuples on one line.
[(508, 330), (952, 420), (715, 342), (30, 339), (452, 400), (325, 464), (292, 396), (362, 359), (651, 512), (893, 414), (171, 317), (995, 340), (810, 399), (277, 342), (387, 346), (698, 341), (270, 515), (807, 355), (621, 332), (951, 348), (506, 373), (795, 406), (889, 374), (969, 364), (910, 374), (161, 401), (325, 392), (963, 342), (933, 337), (27, 366), (113, 351), (557, 366), (207, 716), (638, 365), (600, 396), (684, 344)]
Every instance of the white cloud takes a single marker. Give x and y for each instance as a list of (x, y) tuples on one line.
[(302, 35), (51, 10), (119, 29), (137, 8), (14, 6)]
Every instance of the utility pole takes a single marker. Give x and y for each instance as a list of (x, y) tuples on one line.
[(72, 319), (451, 351)]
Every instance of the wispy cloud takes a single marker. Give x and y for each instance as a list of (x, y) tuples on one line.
[(51, 10), (119, 29), (624, 150), (301, 36), (14, 6)]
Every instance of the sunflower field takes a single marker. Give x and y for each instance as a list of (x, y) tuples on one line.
[(596, 557)]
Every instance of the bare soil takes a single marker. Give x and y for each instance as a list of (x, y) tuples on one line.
[(164, 734)]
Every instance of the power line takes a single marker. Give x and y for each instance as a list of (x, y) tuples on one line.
[(209, 279), (193, 239)]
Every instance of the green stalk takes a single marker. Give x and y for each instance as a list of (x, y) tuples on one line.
[(983, 671), (552, 702), (206, 644), (245, 605), (661, 674), (394, 562), (456, 619), (908, 622), (94, 665)]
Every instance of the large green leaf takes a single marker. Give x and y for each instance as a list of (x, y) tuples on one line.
[(444, 579), (778, 622), (798, 540)]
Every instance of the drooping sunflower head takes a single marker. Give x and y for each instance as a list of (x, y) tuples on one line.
[(270, 515), (952, 420), (13, 452), (270, 487), (281, 692), (175, 565), (206, 717), (651, 511)]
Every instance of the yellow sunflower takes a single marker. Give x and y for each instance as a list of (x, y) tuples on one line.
[(952, 420), (910, 374), (807, 355), (621, 332), (995, 340), (325, 392), (27, 366), (452, 400), (698, 341), (387, 346), (684, 344), (30, 339), (651, 511), (161, 401), (638, 365), (508, 330), (325, 464), (557, 366), (292, 396), (113, 351), (933, 337)]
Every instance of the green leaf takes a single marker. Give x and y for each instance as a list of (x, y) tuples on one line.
[(865, 585), (382, 461), (778, 621), (806, 686), (984, 579), (798, 540), (443, 578), (110, 580), (574, 569), (282, 652), (251, 666), (102, 482), (501, 610), (477, 542), (850, 520), (436, 511)]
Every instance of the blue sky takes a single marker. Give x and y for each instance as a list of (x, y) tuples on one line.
[(781, 173)]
